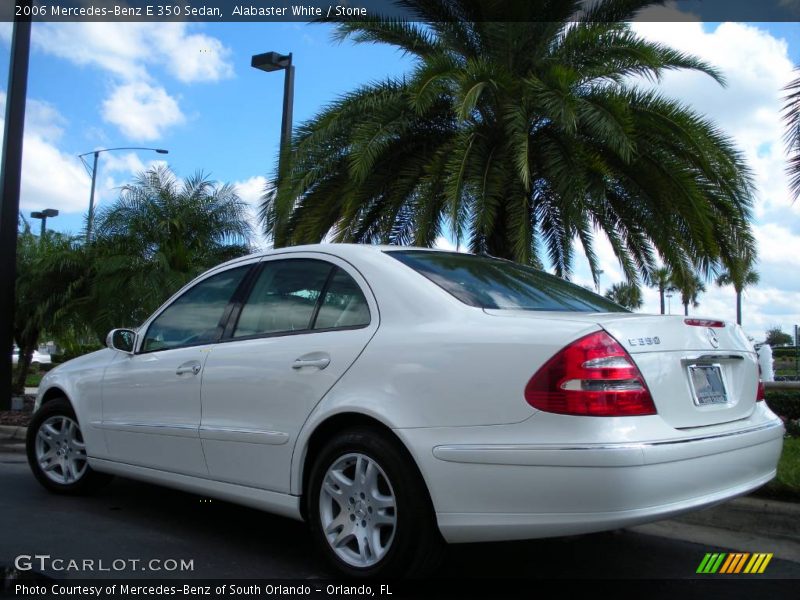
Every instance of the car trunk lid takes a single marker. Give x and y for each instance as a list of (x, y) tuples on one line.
[(697, 375)]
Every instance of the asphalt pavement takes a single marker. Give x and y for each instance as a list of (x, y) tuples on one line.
[(131, 521)]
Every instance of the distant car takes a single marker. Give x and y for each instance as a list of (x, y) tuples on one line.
[(38, 358), (394, 397)]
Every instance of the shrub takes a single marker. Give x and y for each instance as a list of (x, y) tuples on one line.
[(783, 352), (785, 403), (74, 351)]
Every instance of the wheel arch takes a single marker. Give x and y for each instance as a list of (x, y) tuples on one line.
[(55, 392), (329, 427)]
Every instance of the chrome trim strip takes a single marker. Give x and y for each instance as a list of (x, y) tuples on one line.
[(250, 436), (716, 357), (173, 429), (621, 446)]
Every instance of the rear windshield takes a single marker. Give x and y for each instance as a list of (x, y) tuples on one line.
[(488, 282)]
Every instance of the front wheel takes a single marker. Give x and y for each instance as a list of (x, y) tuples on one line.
[(56, 450), (369, 510)]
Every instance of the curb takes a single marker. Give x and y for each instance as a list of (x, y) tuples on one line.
[(12, 432), (743, 524), (758, 516)]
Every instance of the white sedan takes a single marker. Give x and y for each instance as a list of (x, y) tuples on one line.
[(396, 398), (37, 358)]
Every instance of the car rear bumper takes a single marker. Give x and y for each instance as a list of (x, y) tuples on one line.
[(485, 491)]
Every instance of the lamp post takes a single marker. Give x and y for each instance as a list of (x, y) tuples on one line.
[(94, 178), (10, 178), (669, 302), (43, 214), (274, 61)]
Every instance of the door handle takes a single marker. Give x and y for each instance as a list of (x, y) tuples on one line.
[(319, 363), (192, 367)]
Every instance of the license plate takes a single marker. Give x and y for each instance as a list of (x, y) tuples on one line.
[(707, 384)]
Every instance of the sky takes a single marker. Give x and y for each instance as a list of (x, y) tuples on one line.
[(189, 88)]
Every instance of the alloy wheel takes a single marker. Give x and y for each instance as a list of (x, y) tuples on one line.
[(60, 450), (358, 510)]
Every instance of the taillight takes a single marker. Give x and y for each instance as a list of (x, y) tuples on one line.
[(760, 392), (704, 323), (593, 376)]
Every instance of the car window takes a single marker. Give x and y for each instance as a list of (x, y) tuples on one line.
[(344, 304), (195, 317), (488, 282), (284, 297)]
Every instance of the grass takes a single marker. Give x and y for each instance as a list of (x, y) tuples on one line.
[(786, 486), (33, 379)]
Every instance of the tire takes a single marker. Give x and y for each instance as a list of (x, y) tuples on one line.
[(54, 431), (389, 507)]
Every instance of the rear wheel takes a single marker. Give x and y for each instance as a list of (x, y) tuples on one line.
[(57, 452), (369, 510)]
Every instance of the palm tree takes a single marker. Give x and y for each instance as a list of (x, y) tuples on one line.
[(661, 278), (520, 137), (158, 235), (792, 117), (740, 275), (51, 273), (625, 294), (689, 284)]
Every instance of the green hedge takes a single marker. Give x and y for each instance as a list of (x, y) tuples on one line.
[(783, 352), (785, 403)]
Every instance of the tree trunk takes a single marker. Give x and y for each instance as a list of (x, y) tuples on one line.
[(661, 294), (23, 366), (686, 310), (738, 308)]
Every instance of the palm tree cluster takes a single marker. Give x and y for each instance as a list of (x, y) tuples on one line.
[(160, 233), (48, 279), (626, 294), (523, 139), (740, 274)]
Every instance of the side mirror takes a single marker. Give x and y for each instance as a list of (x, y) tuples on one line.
[(122, 340)]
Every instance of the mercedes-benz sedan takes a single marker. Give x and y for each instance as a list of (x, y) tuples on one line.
[(396, 398)]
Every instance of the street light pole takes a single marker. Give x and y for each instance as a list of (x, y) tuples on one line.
[(90, 219), (10, 178), (274, 61), (288, 107), (43, 214)]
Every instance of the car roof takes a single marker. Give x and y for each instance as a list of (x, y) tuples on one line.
[(343, 250)]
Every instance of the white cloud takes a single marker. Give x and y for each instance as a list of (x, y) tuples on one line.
[(192, 57), (142, 111), (138, 104), (443, 243), (250, 190), (757, 67), (5, 31), (129, 50), (50, 178)]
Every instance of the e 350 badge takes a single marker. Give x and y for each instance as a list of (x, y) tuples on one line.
[(644, 341)]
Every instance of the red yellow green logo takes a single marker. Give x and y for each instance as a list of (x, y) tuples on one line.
[(734, 563)]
